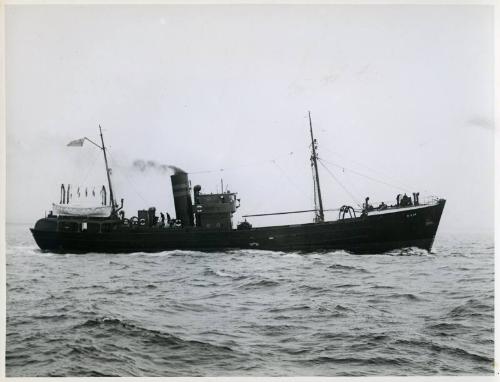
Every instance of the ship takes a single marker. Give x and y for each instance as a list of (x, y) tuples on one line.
[(204, 222)]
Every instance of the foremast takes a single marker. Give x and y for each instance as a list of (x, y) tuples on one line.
[(79, 143), (320, 217), (108, 171)]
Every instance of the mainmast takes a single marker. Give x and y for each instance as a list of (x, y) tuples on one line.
[(320, 217), (108, 170)]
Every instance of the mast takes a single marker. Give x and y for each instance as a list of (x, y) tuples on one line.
[(319, 217), (111, 197)]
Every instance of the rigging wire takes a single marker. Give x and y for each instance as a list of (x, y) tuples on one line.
[(347, 181), (404, 187), (295, 212), (274, 162), (133, 188), (91, 167), (76, 183), (367, 176), (289, 179), (232, 168), (124, 176), (340, 183)]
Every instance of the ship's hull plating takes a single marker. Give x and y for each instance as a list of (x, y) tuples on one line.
[(376, 233)]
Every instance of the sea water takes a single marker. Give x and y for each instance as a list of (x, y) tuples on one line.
[(250, 312)]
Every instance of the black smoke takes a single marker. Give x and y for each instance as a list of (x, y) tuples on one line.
[(145, 165)]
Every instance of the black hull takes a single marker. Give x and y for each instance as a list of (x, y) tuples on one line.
[(376, 233)]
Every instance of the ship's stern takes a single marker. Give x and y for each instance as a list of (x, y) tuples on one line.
[(45, 234)]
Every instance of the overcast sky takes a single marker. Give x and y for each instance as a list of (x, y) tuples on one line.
[(401, 94)]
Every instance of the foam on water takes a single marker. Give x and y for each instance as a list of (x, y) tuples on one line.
[(190, 313)]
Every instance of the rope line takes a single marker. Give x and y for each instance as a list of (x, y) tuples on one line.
[(123, 176), (290, 180), (367, 176), (232, 168), (295, 212), (340, 183), (404, 187), (77, 183), (91, 168)]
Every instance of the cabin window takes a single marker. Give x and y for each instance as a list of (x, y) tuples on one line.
[(84, 226), (218, 225)]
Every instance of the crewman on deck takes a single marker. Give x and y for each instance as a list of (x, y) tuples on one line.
[(162, 219), (368, 207), (398, 198), (406, 201)]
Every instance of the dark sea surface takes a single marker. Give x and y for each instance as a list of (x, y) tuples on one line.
[(250, 313)]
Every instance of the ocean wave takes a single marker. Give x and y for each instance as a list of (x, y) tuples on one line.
[(293, 255), (328, 253), (336, 311), (343, 308), (250, 313), (472, 307), (311, 288), (278, 330), (216, 295), (171, 253), (116, 326), (382, 287), (221, 273), (50, 317), (347, 286), (260, 284), (407, 296), (341, 267), (450, 350), (253, 252), (289, 309), (84, 372), (409, 251), (456, 351), (392, 361), (446, 326), (184, 306)]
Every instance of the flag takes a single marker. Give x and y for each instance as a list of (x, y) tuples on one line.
[(77, 142)]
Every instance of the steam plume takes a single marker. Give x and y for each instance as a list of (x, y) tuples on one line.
[(143, 165)]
